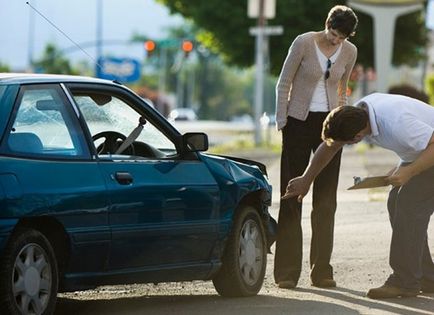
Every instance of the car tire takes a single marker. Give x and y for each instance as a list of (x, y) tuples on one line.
[(245, 256), (29, 276)]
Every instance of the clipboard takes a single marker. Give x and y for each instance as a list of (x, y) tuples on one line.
[(369, 182)]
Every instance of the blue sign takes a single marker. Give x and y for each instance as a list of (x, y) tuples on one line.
[(121, 69)]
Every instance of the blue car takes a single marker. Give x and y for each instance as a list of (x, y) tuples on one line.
[(97, 188)]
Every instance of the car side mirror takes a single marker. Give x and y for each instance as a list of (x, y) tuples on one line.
[(195, 141)]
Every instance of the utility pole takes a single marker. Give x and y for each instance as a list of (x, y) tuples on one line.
[(262, 10), (384, 14), (98, 34), (163, 67), (31, 40), (259, 86)]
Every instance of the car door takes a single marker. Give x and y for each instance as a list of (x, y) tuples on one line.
[(164, 209), (46, 170)]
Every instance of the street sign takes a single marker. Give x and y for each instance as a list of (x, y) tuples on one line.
[(120, 69), (267, 30), (269, 9)]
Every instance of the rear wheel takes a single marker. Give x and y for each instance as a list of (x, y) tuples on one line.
[(245, 256), (28, 279)]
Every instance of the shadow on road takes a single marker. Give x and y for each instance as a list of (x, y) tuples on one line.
[(422, 304), (200, 304), (332, 301)]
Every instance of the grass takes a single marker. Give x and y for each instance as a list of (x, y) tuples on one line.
[(244, 144)]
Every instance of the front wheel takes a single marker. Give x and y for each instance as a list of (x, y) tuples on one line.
[(245, 256), (29, 278)]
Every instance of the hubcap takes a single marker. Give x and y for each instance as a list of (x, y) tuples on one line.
[(251, 252), (31, 281)]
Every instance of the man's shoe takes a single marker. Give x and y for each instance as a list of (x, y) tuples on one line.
[(287, 284), (388, 291), (324, 283), (427, 287)]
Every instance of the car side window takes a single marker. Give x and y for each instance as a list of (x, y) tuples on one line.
[(2, 90), (109, 116), (45, 125)]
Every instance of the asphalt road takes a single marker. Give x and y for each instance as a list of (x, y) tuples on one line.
[(360, 260)]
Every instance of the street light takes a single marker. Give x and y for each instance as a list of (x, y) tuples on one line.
[(187, 47), (149, 47)]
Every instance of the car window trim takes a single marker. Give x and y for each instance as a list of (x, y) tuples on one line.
[(152, 115), (130, 97), (70, 99)]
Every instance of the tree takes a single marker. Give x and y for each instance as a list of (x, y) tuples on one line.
[(4, 67), (53, 61), (225, 29), (221, 91)]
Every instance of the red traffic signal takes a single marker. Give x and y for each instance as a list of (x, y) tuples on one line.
[(187, 47), (149, 47)]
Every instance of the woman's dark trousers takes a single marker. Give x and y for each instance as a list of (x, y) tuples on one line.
[(300, 139)]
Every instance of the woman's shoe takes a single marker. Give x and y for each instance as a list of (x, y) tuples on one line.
[(287, 284), (324, 283)]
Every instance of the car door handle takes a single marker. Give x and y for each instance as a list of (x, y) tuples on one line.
[(123, 178)]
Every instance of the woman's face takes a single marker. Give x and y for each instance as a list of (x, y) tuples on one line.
[(334, 36)]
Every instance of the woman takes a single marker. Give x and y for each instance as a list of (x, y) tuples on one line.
[(313, 81)]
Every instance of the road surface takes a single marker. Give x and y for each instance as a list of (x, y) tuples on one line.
[(360, 260)]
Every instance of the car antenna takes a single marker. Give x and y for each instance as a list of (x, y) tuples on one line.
[(64, 34)]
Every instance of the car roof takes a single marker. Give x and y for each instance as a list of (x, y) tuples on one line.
[(22, 78)]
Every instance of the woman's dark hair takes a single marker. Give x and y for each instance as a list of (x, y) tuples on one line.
[(344, 123), (343, 19)]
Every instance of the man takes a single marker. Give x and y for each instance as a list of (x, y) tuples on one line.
[(405, 126)]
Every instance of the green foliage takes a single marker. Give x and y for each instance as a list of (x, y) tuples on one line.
[(4, 67), (409, 90), (53, 61), (429, 86), (225, 29), (235, 146), (246, 145), (204, 71), (215, 78)]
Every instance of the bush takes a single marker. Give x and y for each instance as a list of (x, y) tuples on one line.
[(429, 83), (411, 91)]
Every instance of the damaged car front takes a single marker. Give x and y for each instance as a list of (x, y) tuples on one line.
[(244, 189)]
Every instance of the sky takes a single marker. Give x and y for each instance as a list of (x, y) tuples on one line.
[(430, 15), (24, 33), (78, 20)]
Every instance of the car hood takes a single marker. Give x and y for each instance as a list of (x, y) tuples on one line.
[(260, 165), (237, 176)]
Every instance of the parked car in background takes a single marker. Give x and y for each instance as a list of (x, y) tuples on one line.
[(183, 114), (96, 188)]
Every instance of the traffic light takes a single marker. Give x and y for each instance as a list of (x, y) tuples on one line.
[(187, 47), (149, 47)]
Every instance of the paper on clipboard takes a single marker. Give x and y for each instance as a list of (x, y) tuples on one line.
[(369, 182)]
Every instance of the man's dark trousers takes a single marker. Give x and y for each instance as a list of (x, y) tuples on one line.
[(410, 208)]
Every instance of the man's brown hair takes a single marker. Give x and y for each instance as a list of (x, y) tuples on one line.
[(344, 123)]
